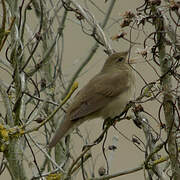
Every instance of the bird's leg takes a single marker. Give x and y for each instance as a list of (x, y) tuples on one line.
[(108, 122), (124, 112)]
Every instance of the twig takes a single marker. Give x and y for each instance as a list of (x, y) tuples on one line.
[(6, 34), (92, 22), (129, 171), (74, 87)]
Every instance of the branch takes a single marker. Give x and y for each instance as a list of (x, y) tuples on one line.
[(166, 83), (129, 171), (74, 87), (7, 104), (93, 23)]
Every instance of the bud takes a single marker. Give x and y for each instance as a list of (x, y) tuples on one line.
[(102, 171)]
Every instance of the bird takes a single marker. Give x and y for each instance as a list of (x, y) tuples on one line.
[(105, 95)]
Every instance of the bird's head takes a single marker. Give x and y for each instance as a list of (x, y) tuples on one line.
[(117, 60)]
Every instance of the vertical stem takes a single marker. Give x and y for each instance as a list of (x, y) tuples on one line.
[(14, 154), (14, 157), (166, 83)]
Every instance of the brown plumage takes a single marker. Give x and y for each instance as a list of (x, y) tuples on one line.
[(104, 96)]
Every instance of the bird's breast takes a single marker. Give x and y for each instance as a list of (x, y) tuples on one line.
[(117, 105)]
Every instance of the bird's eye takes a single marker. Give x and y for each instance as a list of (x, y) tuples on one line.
[(120, 59)]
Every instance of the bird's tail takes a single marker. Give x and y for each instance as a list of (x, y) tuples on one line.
[(62, 130)]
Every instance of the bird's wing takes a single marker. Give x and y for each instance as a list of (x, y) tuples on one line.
[(97, 93)]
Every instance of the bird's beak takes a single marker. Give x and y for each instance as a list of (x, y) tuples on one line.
[(132, 60)]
